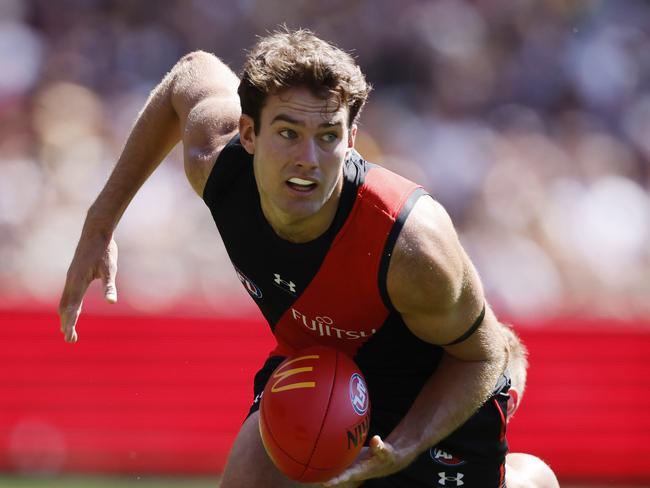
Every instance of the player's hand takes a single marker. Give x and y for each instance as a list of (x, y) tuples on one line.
[(379, 460), (95, 258)]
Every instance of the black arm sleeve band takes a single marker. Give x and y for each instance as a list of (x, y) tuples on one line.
[(477, 323)]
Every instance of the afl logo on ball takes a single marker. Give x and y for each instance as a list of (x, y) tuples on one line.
[(358, 394)]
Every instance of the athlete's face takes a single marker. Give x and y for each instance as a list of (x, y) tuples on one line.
[(299, 152)]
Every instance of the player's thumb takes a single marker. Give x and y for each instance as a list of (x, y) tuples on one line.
[(110, 290), (109, 272), (377, 446)]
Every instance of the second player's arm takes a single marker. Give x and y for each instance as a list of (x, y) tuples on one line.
[(196, 102)]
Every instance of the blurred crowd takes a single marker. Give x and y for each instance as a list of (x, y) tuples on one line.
[(528, 119)]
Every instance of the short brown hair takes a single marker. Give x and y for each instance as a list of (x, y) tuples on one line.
[(287, 59)]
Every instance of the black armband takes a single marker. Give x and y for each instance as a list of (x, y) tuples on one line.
[(477, 323)]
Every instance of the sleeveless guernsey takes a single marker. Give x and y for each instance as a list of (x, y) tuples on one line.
[(332, 290)]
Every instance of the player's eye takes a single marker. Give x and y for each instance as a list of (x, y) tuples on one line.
[(288, 133), (329, 137)]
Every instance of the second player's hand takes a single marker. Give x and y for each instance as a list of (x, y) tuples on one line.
[(379, 460), (94, 258)]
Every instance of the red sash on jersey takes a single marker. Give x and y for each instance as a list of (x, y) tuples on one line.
[(342, 307)]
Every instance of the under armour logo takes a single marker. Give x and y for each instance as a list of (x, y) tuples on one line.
[(258, 398), (456, 479), (289, 286)]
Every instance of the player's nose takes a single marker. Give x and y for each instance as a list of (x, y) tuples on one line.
[(307, 155)]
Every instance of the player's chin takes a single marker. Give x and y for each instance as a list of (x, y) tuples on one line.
[(303, 208)]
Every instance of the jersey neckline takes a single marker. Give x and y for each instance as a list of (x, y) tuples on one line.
[(351, 182)]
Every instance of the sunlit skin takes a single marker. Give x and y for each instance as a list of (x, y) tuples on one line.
[(298, 159), (298, 156)]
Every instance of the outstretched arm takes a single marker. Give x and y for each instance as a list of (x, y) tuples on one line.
[(435, 287), (196, 102)]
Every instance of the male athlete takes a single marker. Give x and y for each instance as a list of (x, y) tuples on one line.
[(334, 250)]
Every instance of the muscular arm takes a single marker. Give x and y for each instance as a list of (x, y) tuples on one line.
[(206, 102), (435, 287), (196, 102)]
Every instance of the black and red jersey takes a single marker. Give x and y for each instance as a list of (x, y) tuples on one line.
[(332, 290)]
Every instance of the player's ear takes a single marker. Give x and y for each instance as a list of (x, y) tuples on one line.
[(352, 136), (513, 403), (247, 133)]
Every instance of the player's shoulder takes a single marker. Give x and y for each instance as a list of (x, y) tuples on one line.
[(228, 166), (204, 96), (208, 129), (428, 264), (200, 76), (201, 160)]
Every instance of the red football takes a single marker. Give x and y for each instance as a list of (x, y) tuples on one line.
[(315, 414)]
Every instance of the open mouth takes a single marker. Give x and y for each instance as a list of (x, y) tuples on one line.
[(299, 184)]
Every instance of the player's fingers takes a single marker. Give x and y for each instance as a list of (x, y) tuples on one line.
[(349, 484), (379, 453), (109, 272), (68, 317), (354, 474), (70, 306), (378, 448), (110, 290), (341, 479)]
